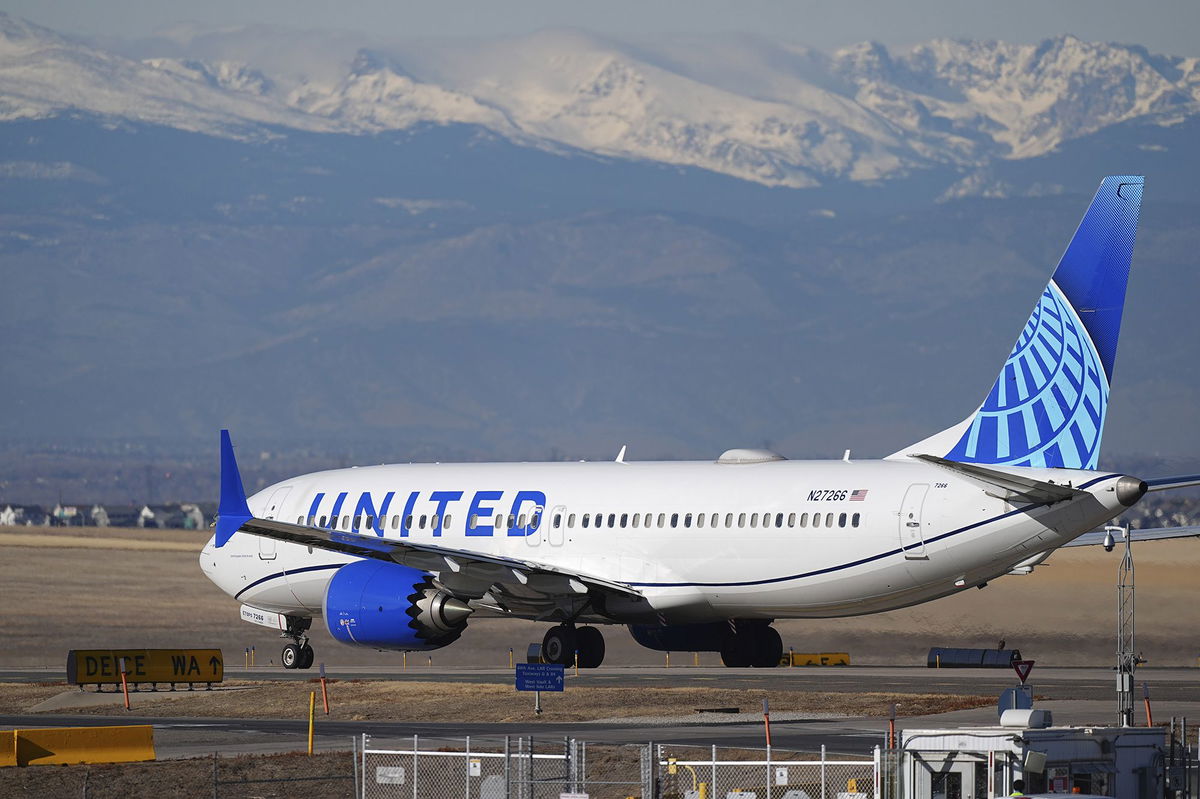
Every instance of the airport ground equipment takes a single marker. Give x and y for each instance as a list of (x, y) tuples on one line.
[(942, 657), (145, 666), (978, 762), (1127, 657)]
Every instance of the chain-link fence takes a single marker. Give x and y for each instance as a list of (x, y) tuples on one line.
[(692, 772), (522, 768)]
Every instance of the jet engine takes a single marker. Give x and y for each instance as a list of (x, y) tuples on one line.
[(388, 606)]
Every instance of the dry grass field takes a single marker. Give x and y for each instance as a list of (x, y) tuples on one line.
[(66, 589)]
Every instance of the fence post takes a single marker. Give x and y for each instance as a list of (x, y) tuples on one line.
[(878, 782), (714, 770), (416, 745), (823, 788), (354, 759), (467, 766), (216, 791), (507, 769), (769, 774)]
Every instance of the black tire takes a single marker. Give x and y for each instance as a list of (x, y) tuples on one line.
[(290, 657), (768, 648), (591, 647), (559, 645), (307, 656), (736, 651)]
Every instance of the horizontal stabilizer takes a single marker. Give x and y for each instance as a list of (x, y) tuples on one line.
[(1018, 487), (1102, 538), (1167, 483)]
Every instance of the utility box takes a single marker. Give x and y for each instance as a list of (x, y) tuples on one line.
[(982, 762)]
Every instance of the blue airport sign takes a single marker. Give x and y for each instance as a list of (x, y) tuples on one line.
[(539, 677)]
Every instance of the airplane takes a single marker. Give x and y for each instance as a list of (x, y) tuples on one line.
[(706, 555)]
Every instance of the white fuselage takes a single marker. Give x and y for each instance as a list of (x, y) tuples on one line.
[(702, 541)]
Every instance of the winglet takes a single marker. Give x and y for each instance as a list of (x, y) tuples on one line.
[(232, 512)]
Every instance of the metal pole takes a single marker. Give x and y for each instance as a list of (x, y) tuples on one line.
[(823, 771), (1127, 658), (467, 763), (354, 758), (507, 769), (714, 770), (416, 744)]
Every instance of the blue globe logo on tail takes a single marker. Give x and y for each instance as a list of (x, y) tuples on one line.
[(1048, 405)]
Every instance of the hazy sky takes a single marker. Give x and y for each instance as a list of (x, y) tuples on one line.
[(1165, 26)]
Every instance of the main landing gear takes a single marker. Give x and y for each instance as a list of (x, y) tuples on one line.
[(757, 645), (298, 654), (563, 640)]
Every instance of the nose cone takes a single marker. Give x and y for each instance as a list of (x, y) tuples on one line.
[(1130, 490)]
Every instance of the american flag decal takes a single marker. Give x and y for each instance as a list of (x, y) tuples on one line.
[(858, 495)]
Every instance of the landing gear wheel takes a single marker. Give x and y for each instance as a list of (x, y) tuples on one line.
[(290, 656), (591, 647), (306, 657), (768, 648), (559, 645), (735, 652)]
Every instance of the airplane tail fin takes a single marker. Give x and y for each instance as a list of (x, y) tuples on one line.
[(1048, 405)]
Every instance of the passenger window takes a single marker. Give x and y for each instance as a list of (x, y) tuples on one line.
[(421, 521), (687, 520), (841, 520), (586, 516), (446, 522), (674, 519), (816, 520), (612, 520), (635, 519), (322, 524), (741, 520), (729, 520), (624, 519), (557, 520), (571, 520), (499, 522), (300, 519), (512, 521), (346, 522), (357, 522), (712, 522), (395, 522), (662, 520), (791, 520), (408, 522), (779, 520), (699, 519), (521, 522), (535, 520), (754, 520), (854, 520), (473, 521), (433, 522), (370, 521), (829, 520)]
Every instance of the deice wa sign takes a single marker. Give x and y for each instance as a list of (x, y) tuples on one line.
[(103, 666)]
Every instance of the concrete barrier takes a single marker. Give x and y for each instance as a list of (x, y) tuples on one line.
[(8, 748), (72, 745), (815, 659)]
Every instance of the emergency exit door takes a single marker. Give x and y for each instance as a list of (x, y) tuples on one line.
[(266, 546)]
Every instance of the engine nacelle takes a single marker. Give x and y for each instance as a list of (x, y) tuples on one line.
[(388, 606)]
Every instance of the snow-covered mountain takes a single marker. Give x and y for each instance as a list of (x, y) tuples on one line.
[(758, 110)]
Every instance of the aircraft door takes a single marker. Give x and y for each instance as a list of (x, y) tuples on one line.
[(266, 546), (912, 526)]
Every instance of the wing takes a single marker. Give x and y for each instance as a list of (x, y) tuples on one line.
[(506, 585)]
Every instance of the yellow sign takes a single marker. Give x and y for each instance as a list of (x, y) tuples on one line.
[(69, 745), (103, 666)]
